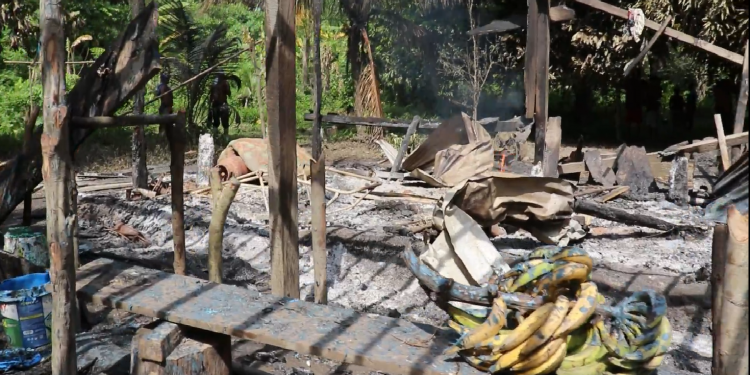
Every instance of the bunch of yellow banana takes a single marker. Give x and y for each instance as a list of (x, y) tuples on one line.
[(564, 334)]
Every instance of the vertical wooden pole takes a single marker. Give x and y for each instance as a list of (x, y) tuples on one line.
[(282, 150), (541, 55), (529, 59), (318, 170), (722, 140), (552, 147), (138, 143), (718, 249), (28, 135), (739, 117), (222, 199), (177, 138), (734, 308), (57, 169)]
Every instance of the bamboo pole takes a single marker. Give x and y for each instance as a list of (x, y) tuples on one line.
[(734, 329), (57, 169), (177, 138), (222, 199)]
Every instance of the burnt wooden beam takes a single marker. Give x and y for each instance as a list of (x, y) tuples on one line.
[(282, 131), (176, 134), (670, 32), (103, 88), (637, 60), (57, 172), (541, 87), (610, 213), (318, 171), (560, 13), (119, 121), (739, 116)]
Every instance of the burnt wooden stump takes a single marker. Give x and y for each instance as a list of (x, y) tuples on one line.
[(164, 348)]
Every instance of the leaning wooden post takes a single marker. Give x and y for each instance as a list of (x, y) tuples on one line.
[(28, 136), (404, 145), (282, 150), (718, 249), (318, 171), (56, 172), (138, 142), (637, 60), (222, 200), (176, 136), (541, 55), (734, 308), (529, 58), (739, 117)]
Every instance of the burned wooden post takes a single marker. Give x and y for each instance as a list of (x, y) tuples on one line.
[(205, 159), (318, 171), (177, 138), (722, 139), (28, 137), (552, 147), (541, 71), (678, 180), (221, 201), (56, 172), (734, 305), (739, 117), (718, 249), (138, 143), (282, 150)]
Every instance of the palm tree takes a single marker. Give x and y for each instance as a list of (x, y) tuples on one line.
[(188, 50)]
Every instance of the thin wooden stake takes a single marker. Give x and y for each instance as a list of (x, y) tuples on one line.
[(404, 145), (724, 152), (318, 171), (282, 132), (176, 136), (28, 135), (216, 228), (57, 169)]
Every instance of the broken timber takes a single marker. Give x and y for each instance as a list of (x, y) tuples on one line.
[(132, 120), (560, 13), (380, 343), (603, 211), (491, 124), (105, 86), (637, 60), (696, 147), (670, 32)]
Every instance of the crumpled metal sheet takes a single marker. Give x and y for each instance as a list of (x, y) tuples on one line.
[(254, 152), (542, 206), (730, 190)]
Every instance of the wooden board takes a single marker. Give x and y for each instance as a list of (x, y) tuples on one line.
[(372, 341)]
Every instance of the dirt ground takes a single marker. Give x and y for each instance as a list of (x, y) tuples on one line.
[(365, 271)]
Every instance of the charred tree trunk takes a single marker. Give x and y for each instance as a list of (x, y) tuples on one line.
[(28, 137), (138, 145), (102, 89), (57, 171)]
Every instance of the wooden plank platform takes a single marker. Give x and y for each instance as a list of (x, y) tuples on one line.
[(393, 346)]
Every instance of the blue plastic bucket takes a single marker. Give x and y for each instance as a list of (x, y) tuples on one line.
[(26, 309)]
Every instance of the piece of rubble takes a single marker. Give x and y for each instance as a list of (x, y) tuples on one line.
[(599, 172), (632, 168), (678, 181)]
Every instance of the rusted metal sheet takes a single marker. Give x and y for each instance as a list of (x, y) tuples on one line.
[(379, 343)]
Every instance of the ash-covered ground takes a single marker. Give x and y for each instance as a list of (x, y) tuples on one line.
[(366, 273)]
